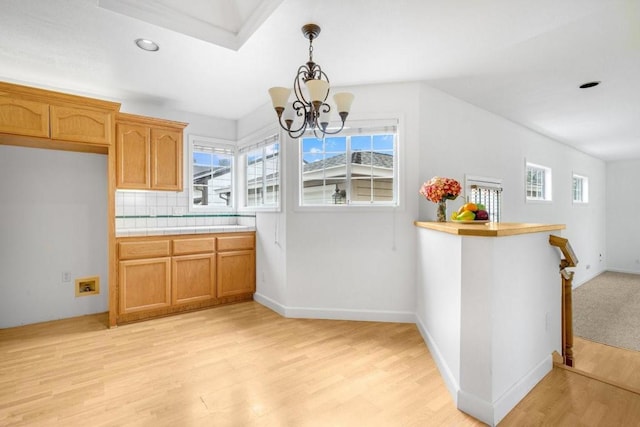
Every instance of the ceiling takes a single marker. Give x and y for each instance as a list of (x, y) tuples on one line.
[(520, 59)]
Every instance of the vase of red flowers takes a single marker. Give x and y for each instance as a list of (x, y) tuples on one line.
[(439, 190)]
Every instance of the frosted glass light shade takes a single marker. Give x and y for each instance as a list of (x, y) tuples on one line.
[(343, 101), (318, 89), (289, 113), (279, 96)]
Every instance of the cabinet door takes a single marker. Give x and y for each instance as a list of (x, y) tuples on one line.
[(194, 278), (81, 125), (166, 159), (133, 149), (19, 117), (144, 284), (236, 273)]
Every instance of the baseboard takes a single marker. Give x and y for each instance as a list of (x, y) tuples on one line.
[(336, 313), (613, 270), (270, 303), (519, 390), (586, 279), (620, 270), (447, 376), (477, 408)]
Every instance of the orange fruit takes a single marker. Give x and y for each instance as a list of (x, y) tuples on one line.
[(470, 207)]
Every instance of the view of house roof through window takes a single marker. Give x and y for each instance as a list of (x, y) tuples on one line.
[(357, 168)]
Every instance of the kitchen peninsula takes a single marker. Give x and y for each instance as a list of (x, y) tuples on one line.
[(489, 308)]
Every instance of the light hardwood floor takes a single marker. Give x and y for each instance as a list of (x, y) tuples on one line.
[(244, 365), (238, 365)]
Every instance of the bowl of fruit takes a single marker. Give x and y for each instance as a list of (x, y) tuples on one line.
[(471, 213)]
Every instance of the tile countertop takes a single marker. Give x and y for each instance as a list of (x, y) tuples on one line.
[(200, 229)]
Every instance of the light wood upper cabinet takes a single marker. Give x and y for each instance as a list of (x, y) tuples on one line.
[(149, 153), (81, 125), (133, 154), (60, 121), (166, 159), (22, 117)]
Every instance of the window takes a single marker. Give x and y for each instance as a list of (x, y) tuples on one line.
[(486, 191), (538, 185), (211, 174), (580, 189), (262, 173), (357, 167)]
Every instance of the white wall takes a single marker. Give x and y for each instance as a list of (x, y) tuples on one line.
[(53, 218), (623, 230), (457, 138), (359, 263), (355, 263)]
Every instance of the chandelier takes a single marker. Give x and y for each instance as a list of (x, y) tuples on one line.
[(310, 106)]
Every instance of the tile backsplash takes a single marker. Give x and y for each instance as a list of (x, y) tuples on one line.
[(166, 209)]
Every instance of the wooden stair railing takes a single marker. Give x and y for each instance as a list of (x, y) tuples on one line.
[(569, 260)]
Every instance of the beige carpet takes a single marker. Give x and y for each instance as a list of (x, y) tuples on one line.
[(606, 309)]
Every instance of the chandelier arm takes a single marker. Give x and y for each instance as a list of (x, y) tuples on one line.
[(301, 77), (293, 133), (326, 132)]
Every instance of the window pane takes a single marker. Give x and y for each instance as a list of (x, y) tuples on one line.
[(335, 144), (357, 169), (535, 183), (359, 143), (211, 177), (322, 170), (263, 176), (579, 189), (383, 142), (254, 177)]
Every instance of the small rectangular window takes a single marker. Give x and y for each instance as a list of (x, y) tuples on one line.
[(211, 174), (357, 167), (262, 173), (538, 183), (580, 189)]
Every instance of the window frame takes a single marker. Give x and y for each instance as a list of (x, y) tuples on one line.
[(584, 192), (547, 187), (213, 143), (242, 155), (355, 128)]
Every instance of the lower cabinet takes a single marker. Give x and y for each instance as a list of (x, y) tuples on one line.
[(236, 272), (193, 278), (163, 275), (145, 284)]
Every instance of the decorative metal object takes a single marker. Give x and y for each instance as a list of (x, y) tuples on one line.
[(312, 106)]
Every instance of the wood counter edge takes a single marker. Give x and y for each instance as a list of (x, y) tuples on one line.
[(488, 229)]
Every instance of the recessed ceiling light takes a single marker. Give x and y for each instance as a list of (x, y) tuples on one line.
[(589, 84), (146, 44)]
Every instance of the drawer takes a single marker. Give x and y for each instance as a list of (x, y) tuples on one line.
[(232, 243), (146, 249), (194, 246)]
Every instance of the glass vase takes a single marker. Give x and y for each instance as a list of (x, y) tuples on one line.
[(442, 211)]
